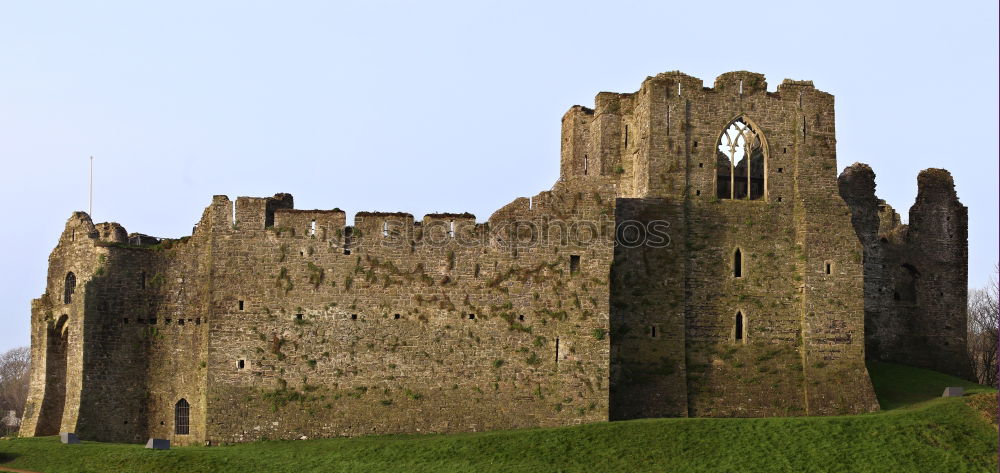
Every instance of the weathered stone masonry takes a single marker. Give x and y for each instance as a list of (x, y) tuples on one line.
[(747, 296)]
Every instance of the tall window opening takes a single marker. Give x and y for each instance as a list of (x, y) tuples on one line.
[(574, 264), (739, 326), (182, 418), (585, 164), (69, 288), (906, 283), (348, 233), (312, 228), (738, 264), (740, 163)]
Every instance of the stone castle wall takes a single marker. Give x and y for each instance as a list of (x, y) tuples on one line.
[(401, 326), (308, 327), (614, 295)]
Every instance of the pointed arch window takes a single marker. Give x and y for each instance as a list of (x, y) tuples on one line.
[(740, 162), (182, 417), (69, 288)]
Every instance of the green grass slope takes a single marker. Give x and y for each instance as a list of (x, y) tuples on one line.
[(919, 433), (901, 386)]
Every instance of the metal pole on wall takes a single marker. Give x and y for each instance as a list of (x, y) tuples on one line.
[(91, 209)]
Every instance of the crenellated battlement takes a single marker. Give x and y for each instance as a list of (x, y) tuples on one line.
[(667, 133)]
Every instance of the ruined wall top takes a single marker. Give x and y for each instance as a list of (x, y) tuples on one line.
[(857, 181), (935, 184)]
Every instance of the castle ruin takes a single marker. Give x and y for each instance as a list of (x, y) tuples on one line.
[(698, 256)]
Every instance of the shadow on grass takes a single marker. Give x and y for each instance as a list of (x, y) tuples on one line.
[(900, 386)]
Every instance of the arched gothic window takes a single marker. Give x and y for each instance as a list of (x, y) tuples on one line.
[(740, 162), (182, 417), (69, 288)]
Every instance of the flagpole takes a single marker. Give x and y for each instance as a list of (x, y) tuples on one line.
[(91, 210)]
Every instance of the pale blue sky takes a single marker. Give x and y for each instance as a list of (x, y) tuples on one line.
[(422, 107)]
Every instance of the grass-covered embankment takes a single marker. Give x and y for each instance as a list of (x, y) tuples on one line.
[(918, 432)]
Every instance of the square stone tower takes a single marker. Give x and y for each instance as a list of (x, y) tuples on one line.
[(755, 305)]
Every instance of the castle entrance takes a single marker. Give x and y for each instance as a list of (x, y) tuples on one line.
[(54, 400)]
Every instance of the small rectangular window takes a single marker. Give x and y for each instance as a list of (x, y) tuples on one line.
[(652, 331), (241, 364), (828, 267), (574, 264), (241, 305)]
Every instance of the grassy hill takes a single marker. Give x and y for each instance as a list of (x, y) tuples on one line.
[(916, 431)]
